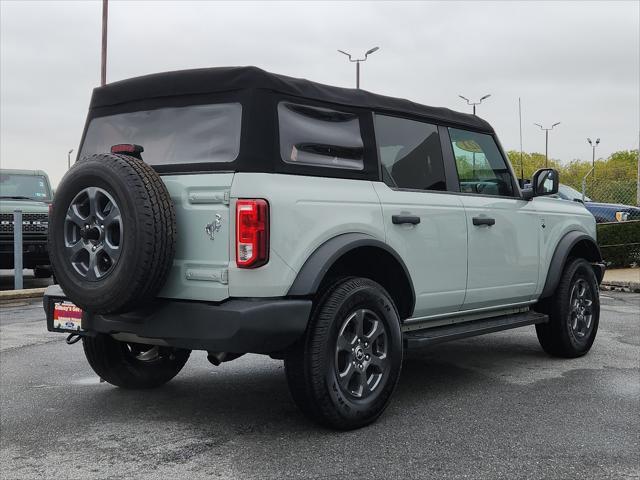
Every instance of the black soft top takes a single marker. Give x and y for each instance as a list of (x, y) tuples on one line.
[(231, 79)]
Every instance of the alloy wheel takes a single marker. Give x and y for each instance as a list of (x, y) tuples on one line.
[(362, 354), (581, 309), (93, 233)]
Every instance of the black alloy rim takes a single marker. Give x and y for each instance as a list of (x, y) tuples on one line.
[(93, 233), (362, 354)]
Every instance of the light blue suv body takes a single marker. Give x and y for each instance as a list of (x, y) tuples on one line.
[(326, 226)]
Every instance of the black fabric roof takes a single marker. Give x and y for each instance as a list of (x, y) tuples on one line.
[(225, 79)]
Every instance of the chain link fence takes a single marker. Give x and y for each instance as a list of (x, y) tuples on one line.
[(614, 204), (611, 200)]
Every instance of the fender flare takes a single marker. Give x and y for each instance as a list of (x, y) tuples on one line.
[(322, 259), (559, 259)]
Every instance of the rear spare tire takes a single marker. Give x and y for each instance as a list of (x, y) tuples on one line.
[(111, 233)]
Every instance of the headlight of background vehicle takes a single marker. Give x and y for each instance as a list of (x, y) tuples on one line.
[(622, 216)]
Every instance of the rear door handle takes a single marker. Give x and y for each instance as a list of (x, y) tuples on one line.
[(400, 219), (484, 221)]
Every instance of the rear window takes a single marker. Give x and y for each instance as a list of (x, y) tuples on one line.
[(193, 134), (320, 137)]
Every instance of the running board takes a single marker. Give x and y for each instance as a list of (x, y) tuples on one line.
[(446, 333)]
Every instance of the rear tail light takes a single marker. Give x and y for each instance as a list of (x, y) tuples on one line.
[(252, 233)]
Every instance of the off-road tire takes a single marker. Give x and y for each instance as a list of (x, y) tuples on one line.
[(556, 337), (114, 362), (148, 233), (310, 364)]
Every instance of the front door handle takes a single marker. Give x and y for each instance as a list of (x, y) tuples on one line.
[(400, 219), (484, 221)]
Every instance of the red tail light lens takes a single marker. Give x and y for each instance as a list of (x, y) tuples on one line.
[(128, 149), (252, 233)]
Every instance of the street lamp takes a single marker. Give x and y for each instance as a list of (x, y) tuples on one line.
[(593, 155), (546, 141), (358, 60), (69, 158), (469, 102)]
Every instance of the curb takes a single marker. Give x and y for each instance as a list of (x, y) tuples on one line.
[(18, 294), (632, 287)]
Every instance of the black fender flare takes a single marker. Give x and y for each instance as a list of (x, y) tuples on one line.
[(559, 259), (320, 261)]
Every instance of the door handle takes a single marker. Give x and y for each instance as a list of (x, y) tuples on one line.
[(484, 221), (400, 219)]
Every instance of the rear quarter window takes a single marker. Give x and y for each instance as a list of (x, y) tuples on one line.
[(169, 136), (319, 136)]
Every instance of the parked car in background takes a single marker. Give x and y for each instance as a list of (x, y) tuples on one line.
[(603, 212), (30, 192)]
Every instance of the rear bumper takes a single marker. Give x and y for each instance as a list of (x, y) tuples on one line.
[(236, 325)]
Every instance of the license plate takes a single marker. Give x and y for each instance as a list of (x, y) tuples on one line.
[(66, 316)]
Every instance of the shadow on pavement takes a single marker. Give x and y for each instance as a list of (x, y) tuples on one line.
[(29, 281)]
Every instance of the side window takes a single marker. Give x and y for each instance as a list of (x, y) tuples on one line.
[(320, 137), (481, 167), (410, 153)]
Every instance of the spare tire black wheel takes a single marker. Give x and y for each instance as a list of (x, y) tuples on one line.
[(112, 233)]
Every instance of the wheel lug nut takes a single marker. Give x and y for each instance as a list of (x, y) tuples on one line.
[(360, 365), (93, 248), (366, 357)]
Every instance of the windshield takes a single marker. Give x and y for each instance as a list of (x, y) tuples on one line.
[(567, 193), (15, 185), (193, 134)]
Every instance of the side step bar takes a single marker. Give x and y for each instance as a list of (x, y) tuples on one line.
[(446, 333)]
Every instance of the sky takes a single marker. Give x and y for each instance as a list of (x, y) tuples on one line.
[(574, 62)]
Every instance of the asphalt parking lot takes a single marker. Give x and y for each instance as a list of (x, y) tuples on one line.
[(490, 407)]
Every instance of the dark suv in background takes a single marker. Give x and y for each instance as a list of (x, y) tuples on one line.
[(603, 212), (28, 191)]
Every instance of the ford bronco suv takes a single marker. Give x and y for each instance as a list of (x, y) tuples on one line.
[(236, 211), (30, 192)]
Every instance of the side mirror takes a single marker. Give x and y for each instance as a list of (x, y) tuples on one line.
[(545, 182)]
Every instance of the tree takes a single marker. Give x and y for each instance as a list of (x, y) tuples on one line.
[(616, 176)]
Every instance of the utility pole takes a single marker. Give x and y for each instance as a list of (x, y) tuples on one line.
[(69, 158), (469, 102), (358, 60), (593, 155), (546, 141), (103, 60)]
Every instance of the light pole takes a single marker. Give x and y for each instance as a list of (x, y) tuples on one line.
[(469, 102), (358, 60), (546, 141), (103, 56), (593, 155), (69, 158)]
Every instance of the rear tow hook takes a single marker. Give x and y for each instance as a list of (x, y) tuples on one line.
[(73, 338)]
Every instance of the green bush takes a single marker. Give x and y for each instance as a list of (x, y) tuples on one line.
[(620, 243)]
